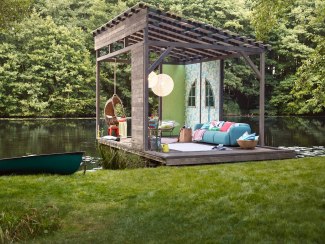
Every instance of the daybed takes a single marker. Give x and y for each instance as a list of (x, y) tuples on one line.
[(228, 137)]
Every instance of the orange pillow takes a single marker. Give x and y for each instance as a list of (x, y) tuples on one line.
[(226, 126)]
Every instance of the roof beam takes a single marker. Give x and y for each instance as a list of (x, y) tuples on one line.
[(173, 53), (118, 52), (195, 61), (190, 51), (160, 59), (176, 29), (163, 17), (251, 64), (179, 51), (203, 46), (178, 36), (117, 60), (162, 22), (121, 30)]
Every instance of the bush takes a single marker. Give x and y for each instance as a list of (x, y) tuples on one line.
[(113, 158)]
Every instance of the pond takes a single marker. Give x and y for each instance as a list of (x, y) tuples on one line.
[(289, 131), (38, 136)]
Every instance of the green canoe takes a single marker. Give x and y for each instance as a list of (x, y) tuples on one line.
[(57, 163)]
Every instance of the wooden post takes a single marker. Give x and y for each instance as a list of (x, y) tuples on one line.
[(145, 88), (222, 78), (262, 99), (97, 95), (200, 87), (126, 42), (160, 98), (139, 97)]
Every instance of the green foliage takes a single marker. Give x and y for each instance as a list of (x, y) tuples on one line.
[(309, 89), (113, 158), (241, 87), (86, 14), (12, 11), (282, 97), (294, 39), (47, 61), (17, 225), (46, 70), (231, 107), (265, 15)]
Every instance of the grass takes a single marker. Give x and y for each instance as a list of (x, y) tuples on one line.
[(20, 224), (273, 201), (119, 159)]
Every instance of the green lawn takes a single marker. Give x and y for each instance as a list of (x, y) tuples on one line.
[(274, 201)]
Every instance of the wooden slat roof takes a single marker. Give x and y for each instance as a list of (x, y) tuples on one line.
[(193, 40)]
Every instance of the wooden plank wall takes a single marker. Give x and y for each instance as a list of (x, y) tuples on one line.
[(137, 97)]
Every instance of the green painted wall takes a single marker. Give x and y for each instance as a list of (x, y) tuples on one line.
[(173, 105)]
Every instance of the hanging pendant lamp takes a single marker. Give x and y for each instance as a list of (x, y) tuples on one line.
[(164, 86), (152, 79)]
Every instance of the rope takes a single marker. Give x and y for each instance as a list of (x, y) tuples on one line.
[(115, 77)]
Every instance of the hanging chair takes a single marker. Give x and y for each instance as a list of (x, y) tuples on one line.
[(110, 110), (110, 106)]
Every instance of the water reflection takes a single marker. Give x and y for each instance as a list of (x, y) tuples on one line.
[(38, 136), (21, 137), (289, 131)]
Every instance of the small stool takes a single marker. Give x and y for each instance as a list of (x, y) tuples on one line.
[(113, 131)]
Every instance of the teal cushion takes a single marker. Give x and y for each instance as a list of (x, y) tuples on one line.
[(205, 126), (208, 136), (221, 138)]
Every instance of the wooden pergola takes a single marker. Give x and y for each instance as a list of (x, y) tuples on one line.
[(142, 30)]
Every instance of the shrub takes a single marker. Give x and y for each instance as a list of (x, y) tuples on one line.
[(113, 158)]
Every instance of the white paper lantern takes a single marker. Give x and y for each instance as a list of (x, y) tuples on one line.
[(152, 79), (164, 85)]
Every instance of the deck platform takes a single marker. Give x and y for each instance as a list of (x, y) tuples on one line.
[(179, 158)]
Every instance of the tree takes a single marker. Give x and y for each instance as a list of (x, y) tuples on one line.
[(309, 89), (265, 15), (297, 43), (12, 10), (85, 14), (34, 53), (45, 71)]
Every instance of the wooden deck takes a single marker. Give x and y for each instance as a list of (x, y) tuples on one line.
[(178, 158)]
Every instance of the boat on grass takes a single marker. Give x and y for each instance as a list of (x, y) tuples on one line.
[(56, 163)]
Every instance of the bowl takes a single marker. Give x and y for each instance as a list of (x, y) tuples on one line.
[(247, 144)]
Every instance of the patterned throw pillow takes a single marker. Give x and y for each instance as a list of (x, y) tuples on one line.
[(226, 126)]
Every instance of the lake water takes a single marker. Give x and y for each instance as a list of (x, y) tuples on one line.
[(38, 136)]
